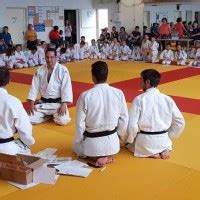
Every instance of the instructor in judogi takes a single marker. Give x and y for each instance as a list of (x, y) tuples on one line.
[(13, 118), (102, 117), (154, 118), (52, 81)]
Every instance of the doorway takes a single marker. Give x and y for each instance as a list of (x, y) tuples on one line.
[(71, 16), (16, 22), (197, 17)]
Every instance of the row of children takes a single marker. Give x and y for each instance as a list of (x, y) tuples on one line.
[(14, 57)]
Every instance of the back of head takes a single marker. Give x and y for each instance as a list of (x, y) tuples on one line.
[(100, 71), (4, 77), (152, 75)]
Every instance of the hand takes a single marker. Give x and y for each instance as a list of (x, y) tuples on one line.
[(62, 110), (31, 107)]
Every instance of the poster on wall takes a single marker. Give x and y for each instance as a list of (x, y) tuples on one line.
[(39, 27), (43, 16)]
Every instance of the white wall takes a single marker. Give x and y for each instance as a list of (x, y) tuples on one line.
[(63, 5), (170, 8)]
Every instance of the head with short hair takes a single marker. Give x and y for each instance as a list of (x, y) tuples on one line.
[(55, 28), (168, 46), (10, 51), (30, 26), (4, 77), (18, 47), (179, 19), (83, 38), (149, 78), (99, 72), (5, 28), (164, 20), (63, 50), (137, 28), (50, 57), (122, 29)]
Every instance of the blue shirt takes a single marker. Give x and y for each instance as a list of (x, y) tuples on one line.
[(3, 48), (7, 38)]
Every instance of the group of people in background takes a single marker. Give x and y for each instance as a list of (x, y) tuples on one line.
[(114, 46)]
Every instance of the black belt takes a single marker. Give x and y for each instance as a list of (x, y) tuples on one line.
[(2, 141), (50, 100), (152, 133), (99, 134)]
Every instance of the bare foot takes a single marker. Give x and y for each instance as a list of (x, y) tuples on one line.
[(156, 156), (165, 154), (102, 161)]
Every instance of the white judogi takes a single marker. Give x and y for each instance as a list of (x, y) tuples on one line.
[(13, 118), (153, 111), (32, 59), (72, 54), (145, 47), (196, 61), (59, 86), (81, 53), (125, 52), (114, 51), (105, 52), (137, 54), (10, 61), (65, 57), (99, 109), (93, 52), (154, 51), (2, 63), (181, 57), (167, 57), (20, 57), (41, 56)]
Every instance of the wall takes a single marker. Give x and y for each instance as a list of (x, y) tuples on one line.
[(170, 8), (63, 4)]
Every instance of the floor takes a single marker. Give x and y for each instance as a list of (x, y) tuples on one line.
[(129, 177)]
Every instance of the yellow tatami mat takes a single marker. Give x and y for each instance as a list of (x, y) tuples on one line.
[(129, 178)]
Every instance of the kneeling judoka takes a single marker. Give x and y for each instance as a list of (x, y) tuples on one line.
[(53, 82), (154, 118), (13, 118), (102, 117)]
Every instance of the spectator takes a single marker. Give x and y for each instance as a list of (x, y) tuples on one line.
[(31, 37), (54, 36)]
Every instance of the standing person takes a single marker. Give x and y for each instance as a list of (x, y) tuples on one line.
[(165, 31), (154, 118), (7, 37), (13, 118), (102, 118), (31, 37), (53, 82), (114, 33), (68, 32), (179, 27), (54, 36), (137, 36)]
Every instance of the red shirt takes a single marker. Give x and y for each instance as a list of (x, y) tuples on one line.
[(54, 35), (180, 29), (164, 29)]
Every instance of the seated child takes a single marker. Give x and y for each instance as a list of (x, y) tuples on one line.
[(105, 51), (125, 51), (33, 57), (20, 57), (180, 55), (93, 50), (153, 50), (114, 50), (167, 56), (145, 48)]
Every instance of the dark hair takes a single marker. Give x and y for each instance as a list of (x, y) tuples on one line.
[(18, 45), (63, 50), (100, 71), (152, 75), (137, 27), (83, 37), (4, 76), (164, 18), (82, 43), (42, 42), (55, 28), (33, 48), (5, 27), (51, 49), (10, 50), (179, 19)]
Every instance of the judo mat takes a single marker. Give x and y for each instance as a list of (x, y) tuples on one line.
[(129, 177)]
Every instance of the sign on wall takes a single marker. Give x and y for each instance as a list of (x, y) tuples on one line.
[(43, 16)]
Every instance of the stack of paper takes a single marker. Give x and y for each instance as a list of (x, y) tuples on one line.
[(75, 168)]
